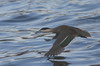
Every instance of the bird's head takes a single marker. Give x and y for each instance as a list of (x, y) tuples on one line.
[(43, 30)]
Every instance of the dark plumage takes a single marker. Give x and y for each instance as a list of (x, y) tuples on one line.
[(64, 35)]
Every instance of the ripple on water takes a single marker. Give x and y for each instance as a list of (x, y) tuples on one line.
[(20, 19)]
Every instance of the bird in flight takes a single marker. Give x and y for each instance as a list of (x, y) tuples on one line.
[(64, 35)]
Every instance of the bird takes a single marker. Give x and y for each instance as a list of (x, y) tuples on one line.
[(64, 35)]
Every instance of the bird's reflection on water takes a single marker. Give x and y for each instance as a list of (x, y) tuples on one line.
[(58, 63)]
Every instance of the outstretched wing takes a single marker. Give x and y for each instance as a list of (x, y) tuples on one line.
[(67, 40), (63, 40)]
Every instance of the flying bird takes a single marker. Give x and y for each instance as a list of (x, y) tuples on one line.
[(64, 35)]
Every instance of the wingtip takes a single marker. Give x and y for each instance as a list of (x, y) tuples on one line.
[(54, 52), (88, 34)]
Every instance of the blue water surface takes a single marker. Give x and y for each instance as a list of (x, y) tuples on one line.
[(20, 19)]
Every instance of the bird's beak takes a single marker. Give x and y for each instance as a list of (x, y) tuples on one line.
[(44, 31)]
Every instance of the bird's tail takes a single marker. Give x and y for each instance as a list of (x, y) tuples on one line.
[(82, 33)]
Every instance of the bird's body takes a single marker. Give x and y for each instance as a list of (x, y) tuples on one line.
[(64, 35)]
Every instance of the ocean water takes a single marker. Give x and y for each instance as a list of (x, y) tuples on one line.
[(20, 19)]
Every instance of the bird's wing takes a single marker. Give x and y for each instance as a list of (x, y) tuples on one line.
[(67, 40), (59, 44)]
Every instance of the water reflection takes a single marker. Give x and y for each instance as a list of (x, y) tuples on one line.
[(56, 61), (60, 63), (95, 65)]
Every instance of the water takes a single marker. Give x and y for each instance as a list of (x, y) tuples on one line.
[(20, 19)]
